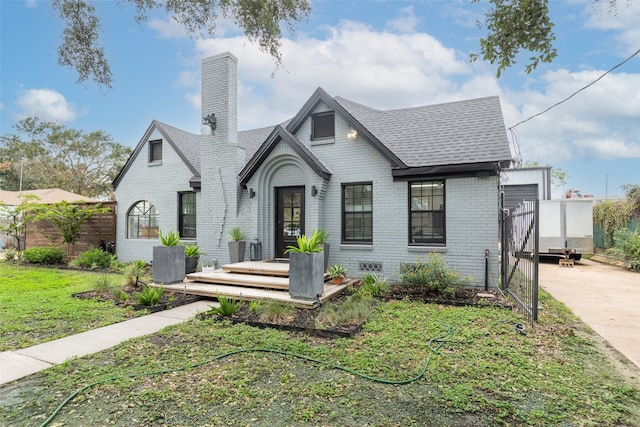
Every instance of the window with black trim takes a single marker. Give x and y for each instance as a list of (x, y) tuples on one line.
[(187, 215), (426, 213), (142, 221), (323, 125), (357, 213), (155, 151)]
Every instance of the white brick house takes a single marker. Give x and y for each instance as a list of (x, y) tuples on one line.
[(389, 186)]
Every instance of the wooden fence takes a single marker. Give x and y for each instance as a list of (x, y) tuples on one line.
[(96, 231)]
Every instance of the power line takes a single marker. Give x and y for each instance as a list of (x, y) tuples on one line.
[(576, 92)]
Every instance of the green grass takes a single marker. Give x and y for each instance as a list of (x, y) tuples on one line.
[(36, 305), (488, 375)]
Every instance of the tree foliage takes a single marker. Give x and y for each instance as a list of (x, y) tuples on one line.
[(68, 218), (261, 20), (16, 218), (615, 215), (49, 155), (558, 176), (515, 25)]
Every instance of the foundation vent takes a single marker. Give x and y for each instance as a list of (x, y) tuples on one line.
[(371, 266)]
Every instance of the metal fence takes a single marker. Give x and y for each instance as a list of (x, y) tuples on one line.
[(520, 257)]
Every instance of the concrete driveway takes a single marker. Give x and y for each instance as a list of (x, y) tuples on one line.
[(606, 298)]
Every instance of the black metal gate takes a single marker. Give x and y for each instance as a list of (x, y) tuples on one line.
[(520, 256)]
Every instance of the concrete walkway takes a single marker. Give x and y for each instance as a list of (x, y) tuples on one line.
[(605, 297), (21, 363)]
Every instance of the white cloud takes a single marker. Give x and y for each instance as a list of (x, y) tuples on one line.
[(407, 22), (601, 121), (46, 104), (411, 68), (623, 21), (396, 70), (167, 28)]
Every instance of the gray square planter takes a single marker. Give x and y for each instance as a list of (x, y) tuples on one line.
[(168, 264), (236, 251), (325, 250), (306, 275)]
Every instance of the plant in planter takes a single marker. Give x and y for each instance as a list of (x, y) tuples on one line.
[(192, 253), (306, 268), (172, 238), (237, 245), (169, 259), (338, 273), (209, 267), (323, 236)]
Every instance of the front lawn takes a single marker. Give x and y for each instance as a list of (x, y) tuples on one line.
[(487, 374), (36, 305)]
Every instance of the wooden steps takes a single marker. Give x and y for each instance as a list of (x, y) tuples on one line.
[(266, 268), (239, 279), (245, 293), (252, 280)]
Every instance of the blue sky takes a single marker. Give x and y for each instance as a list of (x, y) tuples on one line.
[(385, 54)]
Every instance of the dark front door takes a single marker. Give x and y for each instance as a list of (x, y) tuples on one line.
[(289, 218)]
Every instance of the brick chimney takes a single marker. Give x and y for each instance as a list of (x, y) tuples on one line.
[(218, 156)]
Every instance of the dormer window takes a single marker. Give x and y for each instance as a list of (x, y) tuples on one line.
[(155, 151), (323, 125)]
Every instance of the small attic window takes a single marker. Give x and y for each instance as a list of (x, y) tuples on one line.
[(323, 125), (155, 151)]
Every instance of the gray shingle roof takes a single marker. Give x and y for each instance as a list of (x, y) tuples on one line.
[(186, 142), (455, 133), (461, 132), (189, 143)]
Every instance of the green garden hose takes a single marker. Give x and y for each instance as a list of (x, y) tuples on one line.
[(440, 340)]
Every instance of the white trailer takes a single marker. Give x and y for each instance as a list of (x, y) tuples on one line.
[(566, 227)]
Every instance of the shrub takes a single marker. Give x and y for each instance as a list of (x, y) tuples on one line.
[(103, 284), (228, 306), (133, 270), (120, 294), (149, 296), (433, 273), (46, 256), (93, 258), (274, 311), (11, 254), (356, 309), (374, 285), (254, 306), (627, 247)]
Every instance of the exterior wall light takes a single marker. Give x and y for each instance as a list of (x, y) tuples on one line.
[(209, 124), (352, 134)]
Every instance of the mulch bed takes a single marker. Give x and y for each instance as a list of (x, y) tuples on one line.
[(462, 296), (167, 301), (304, 320)]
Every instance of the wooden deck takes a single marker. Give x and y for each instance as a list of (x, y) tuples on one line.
[(249, 293), (251, 280), (268, 268)]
